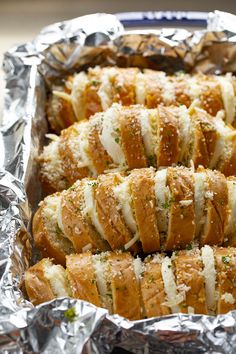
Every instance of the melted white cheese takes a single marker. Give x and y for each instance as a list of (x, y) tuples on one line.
[(90, 207), (223, 130), (109, 137), (209, 274), (84, 148), (194, 88), (140, 88), (172, 295), (79, 84), (59, 216), (122, 193), (146, 131), (231, 220), (101, 271), (138, 268), (227, 91), (162, 194), (199, 199), (56, 275), (105, 89), (184, 129)]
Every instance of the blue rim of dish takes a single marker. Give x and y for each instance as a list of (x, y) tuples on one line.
[(163, 18)]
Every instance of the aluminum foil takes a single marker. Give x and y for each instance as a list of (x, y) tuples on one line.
[(30, 69)]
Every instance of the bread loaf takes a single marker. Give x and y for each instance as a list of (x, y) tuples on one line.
[(93, 91), (191, 281), (124, 138), (145, 210)]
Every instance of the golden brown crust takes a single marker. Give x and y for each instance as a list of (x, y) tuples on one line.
[(188, 273), (81, 275), (132, 141), (181, 93), (159, 89), (37, 286), (228, 166), (76, 225), (99, 156), (153, 89), (124, 86), (116, 232), (168, 137), (152, 289), (216, 206), (92, 100), (225, 259), (52, 175), (124, 285), (144, 294), (51, 244), (62, 116), (211, 97), (181, 226), (70, 165), (144, 206), (172, 146), (48, 187), (205, 138)]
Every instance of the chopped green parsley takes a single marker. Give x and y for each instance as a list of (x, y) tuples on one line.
[(226, 259), (70, 314)]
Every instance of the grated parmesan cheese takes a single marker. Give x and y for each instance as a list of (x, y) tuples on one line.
[(191, 310), (209, 195), (186, 202), (228, 298), (51, 165), (138, 268)]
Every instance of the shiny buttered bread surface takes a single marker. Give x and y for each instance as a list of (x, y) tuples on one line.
[(86, 93), (146, 210), (124, 138), (195, 282)]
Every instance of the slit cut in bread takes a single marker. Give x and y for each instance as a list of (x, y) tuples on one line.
[(191, 281)]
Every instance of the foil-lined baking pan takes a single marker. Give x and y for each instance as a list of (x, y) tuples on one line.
[(68, 325)]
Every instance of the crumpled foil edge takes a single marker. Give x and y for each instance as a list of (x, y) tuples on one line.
[(47, 328)]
